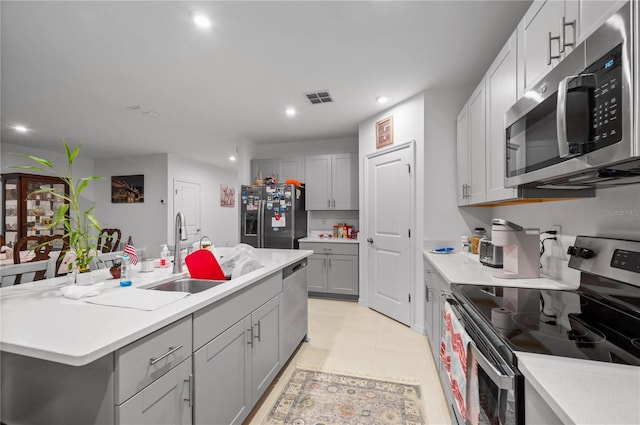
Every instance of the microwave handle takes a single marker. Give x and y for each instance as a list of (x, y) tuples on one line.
[(561, 119), (586, 80)]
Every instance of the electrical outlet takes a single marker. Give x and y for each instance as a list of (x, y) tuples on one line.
[(557, 228)]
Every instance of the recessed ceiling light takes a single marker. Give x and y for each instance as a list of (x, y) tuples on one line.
[(382, 99), (290, 112), (201, 20), (20, 128), (232, 158)]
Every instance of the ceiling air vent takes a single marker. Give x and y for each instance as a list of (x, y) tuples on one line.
[(317, 97)]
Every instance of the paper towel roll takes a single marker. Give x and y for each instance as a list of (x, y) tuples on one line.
[(502, 319)]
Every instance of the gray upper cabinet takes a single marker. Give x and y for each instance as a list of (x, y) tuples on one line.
[(501, 85), (471, 149), (331, 181), (541, 40), (282, 169)]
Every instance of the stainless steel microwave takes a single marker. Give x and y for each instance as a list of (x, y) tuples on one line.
[(575, 128)]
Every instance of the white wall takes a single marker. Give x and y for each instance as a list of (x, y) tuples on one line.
[(408, 125), (444, 222), (614, 212), (219, 223), (146, 221)]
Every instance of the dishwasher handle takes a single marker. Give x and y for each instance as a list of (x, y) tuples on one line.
[(288, 271)]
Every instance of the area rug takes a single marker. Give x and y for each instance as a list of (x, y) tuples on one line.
[(319, 398)]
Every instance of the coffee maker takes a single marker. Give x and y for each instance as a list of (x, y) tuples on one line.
[(520, 250)]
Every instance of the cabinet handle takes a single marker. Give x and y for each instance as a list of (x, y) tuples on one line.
[(329, 203), (334, 203), (566, 24), (154, 360), (190, 381), (325, 262), (557, 38), (259, 331), (250, 342), (329, 262)]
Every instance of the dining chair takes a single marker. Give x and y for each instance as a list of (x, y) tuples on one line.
[(41, 247), (16, 274), (105, 260), (109, 240)]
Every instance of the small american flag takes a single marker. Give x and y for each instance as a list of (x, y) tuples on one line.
[(131, 251)]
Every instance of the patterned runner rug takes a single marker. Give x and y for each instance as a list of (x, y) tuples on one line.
[(319, 398)]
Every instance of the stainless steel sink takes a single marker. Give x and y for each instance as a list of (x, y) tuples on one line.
[(192, 286)]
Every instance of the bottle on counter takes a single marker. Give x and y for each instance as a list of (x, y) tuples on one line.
[(164, 255), (464, 241), (125, 271), (478, 233)]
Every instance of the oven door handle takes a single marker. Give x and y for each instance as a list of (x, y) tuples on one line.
[(503, 382)]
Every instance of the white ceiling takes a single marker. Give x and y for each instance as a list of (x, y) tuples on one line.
[(71, 69)]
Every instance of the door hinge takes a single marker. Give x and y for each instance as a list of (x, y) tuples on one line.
[(409, 297), (409, 232)]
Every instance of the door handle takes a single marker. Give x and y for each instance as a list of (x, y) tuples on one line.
[(557, 38), (259, 331), (566, 24), (154, 360), (370, 240), (190, 382)]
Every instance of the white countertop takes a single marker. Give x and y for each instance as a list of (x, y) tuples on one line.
[(37, 321), (584, 391), (465, 268), (333, 240)]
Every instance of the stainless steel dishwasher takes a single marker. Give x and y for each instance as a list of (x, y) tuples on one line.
[(294, 306)]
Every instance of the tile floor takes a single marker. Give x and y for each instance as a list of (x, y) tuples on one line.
[(347, 337)]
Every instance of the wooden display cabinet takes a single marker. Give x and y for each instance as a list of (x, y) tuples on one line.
[(28, 214)]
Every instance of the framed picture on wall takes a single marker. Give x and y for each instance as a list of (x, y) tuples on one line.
[(227, 195), (127, 189), (384, 132)]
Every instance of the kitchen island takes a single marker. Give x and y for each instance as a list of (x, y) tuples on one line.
[(69, 361)]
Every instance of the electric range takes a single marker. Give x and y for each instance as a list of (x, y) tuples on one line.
[(599, 321)]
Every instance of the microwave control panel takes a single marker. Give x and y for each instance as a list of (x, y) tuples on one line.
[(606, 124)]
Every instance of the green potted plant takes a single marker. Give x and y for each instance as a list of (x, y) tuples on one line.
[(79, 225)]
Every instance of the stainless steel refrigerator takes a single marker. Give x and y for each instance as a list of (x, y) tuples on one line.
[(272, 216)]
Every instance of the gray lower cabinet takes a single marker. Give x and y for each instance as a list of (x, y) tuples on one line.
[(166, 401), (226, 360), (434, 287), (332, 269), (236, 367)]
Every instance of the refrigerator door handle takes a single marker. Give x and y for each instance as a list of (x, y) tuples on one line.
[(259, 237), (263, 205)]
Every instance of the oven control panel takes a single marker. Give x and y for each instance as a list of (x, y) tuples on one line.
[(616, 259), (626, 260)]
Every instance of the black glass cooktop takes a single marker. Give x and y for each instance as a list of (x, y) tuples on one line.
[(589, 324)]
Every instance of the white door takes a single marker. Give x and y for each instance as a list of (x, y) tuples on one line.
[(187, 201), (388, 190)]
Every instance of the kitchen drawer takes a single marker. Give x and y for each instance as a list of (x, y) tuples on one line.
[(218, 317), (331, 248), (134, 370)]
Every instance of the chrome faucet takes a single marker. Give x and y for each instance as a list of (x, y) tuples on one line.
[(180, 234)]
